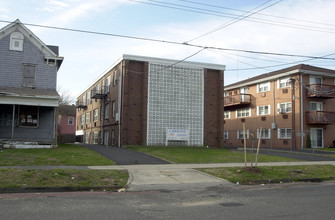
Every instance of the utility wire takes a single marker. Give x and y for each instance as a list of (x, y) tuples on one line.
[(171, 42), (241, 17)]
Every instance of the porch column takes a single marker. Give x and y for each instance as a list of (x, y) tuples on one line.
[(13, 122)]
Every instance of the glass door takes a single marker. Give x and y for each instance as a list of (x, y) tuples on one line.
[(317, 137)]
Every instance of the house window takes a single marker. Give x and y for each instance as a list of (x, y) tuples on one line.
[(88, 95), (226, 114), (245, 112), (266, 133), (83, 119), (113, 137), (283, 82), (16, 41), (87, 118), (263, 87), (284, 107), (96, 114), (108, 82), (114, 78), (284, 133), (107, 111), (113, 109), (225, 135), (29, 75), (29, 116), (70, 120), (87, 137), (240, 134), (95, 137), (263, 110)]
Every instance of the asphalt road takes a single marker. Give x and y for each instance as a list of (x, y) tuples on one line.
[(201, 201)]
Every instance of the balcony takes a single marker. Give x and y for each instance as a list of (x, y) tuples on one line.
[(99, 93), (321, 91), (320, 118), (237, 100), (81, 104)]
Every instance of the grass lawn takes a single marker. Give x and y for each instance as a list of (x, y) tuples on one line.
[(65, 154), (203, 155), (274, 173), (80, 179)]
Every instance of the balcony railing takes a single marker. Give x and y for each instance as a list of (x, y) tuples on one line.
[(234, 100), (320, 117), (99, 93), (321, 91), (81, 104)]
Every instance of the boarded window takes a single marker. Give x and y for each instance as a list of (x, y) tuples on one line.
[(29, 75)]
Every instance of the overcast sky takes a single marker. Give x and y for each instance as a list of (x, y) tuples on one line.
[(302, 27)]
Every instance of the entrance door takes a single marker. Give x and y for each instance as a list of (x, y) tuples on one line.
[(105, 137), (317, 137), (244, 90), (316, 106)]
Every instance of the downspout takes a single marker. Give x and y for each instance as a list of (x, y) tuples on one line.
[(120, 103), (13, 123), (301, 114), (274, 113), (91, 118)]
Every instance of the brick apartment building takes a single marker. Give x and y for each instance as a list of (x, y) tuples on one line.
[(151, 101), (291, 105)]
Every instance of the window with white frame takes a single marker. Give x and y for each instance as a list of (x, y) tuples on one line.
[(283, 82), (84, 99), (263, 110), (88, 96), (245, 112), (83, 119), (263, 87), (284, 107), (266, 133), (107, 111), (16, 41), (108, 83), (284, 133), (225, 135), (226, 114), (87, 137), (96, 137), (240, 134), (87, 118), (113, 109), (114, 78), (70, 120), (96, 114)]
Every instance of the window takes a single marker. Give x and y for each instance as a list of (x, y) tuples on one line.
[(70, 120), (101, 113), (16, 41), (283, 82), (245, 112), (240, 134), (225, 94), (28, 116), (88, 95), (263, 87), (114, 78), (315, 80), (113, 137), (83, 119), (108, 82), (284, 107), (316, 106), (29, 75), (103, 86), (266, 133), (96, 114), (113, 109), (263, 110), (84, 99), (87, 118), (284, 133), (87, 137), (95, 137), (225, 135), (226, 114), (107, 111)]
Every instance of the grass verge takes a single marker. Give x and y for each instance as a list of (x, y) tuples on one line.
[(65, 154), (273, 174), (204, 155), (11, 178)]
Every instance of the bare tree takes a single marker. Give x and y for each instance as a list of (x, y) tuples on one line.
[(65, 97)]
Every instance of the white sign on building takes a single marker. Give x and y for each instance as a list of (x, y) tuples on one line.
[(177, 135)]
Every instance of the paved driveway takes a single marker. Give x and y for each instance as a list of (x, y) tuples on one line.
[(124, 156)]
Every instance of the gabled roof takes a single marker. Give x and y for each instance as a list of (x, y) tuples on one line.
[(301, 68), (48, 51)]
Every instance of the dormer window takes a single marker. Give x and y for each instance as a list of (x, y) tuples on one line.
[(16, 41)]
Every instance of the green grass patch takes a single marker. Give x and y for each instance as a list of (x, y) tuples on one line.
[(64, 154), (273, 174), (23, 178), (204, 155)]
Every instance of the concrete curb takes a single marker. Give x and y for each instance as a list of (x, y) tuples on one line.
[(59, 189)]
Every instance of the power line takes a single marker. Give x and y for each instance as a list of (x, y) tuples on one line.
[(241, 17), (171, 42)]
